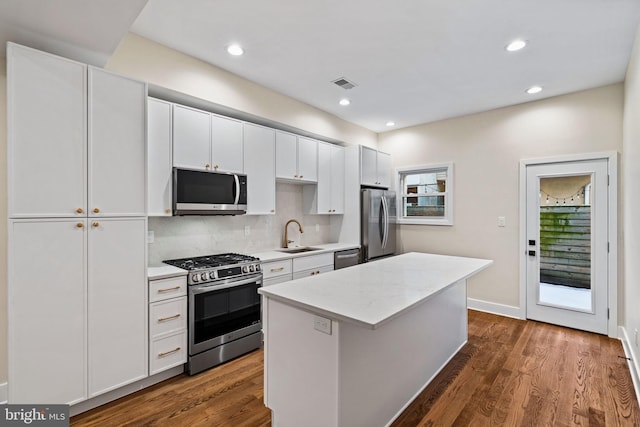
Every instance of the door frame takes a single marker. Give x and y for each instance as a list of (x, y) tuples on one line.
[(612, 231)]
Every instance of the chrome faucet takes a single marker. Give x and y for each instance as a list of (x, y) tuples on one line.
[(285, 239)]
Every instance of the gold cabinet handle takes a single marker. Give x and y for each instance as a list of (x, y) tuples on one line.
[(216, 167), (295, 176), (79, 210), (168, 211), (207, 165), (273, 270), (169, 352), (168, 289), (301, 176), (273, 210), (96, 224), (79, 225), (96, 210), (164, 319)]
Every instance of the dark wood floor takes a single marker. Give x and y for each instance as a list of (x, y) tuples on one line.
[(510, 373)]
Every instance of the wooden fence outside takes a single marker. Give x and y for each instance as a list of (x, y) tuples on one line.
[(565, 245)]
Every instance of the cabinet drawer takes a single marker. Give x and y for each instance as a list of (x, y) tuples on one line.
[(313, 261), (276, 280), (312, 272), (276, 268), (167, 316), (167, 288), (168, 352)]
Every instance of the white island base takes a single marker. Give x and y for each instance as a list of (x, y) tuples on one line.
[(380, 352)]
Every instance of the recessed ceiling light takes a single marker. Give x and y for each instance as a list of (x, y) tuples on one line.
[(516, 45), (344, 101), (534, 89), (235, 50), (390, 123)]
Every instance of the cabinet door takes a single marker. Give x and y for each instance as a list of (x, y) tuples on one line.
[(46, 97), (286, 155), (369, 165), (323, 190), (384, 169), (191, 138), (337, 179), (117, 303), (117, 145), (259, 166), (159, 165), (307, 159), (226, 144), (47, 347)]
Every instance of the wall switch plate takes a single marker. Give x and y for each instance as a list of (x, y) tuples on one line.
[(150, 236), (322, 324), (502, 221), (247, 230)]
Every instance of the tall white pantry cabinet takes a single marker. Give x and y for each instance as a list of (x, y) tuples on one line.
[(77, 229)]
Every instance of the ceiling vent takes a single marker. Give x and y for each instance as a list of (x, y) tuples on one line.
[(344, 83)]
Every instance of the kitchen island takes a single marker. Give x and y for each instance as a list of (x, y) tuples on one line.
[(354, 347)]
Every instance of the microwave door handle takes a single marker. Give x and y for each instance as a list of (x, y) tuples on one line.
[(237, 180)]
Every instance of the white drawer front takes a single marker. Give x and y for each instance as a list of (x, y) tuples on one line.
[(167, 316), (276, 268), (313, 261), (167, 288), (276, 280), (312, 272), (168, 352)]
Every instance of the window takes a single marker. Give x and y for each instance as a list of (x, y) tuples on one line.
[(425, 194)]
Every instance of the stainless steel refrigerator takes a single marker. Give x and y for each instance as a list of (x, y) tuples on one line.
[(378, 223)]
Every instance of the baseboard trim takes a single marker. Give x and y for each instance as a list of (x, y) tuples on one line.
[(4, 393), (634, 366), (87, 405), (494, 308)]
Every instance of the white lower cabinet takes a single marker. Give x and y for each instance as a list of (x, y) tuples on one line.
[(276, 272), (167, 323), (77, 328), (312, 271)]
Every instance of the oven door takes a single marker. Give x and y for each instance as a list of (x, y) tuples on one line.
[(223, 311)]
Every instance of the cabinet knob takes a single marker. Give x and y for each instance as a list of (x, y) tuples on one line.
[(301, 176), (207, 165), (168, 211), (79, 210), (96, 224), (96, 210), (216, 167), (295, 176), (273, 210), (79, 225)]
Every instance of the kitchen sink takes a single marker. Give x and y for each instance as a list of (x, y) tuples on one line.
[(297, 250)]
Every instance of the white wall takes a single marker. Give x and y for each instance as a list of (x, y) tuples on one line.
[(486, 149), (631, 200)]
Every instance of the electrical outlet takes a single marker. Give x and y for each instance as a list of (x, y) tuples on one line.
[(322, 324), (150, 236), (247, 230), (502, 221)]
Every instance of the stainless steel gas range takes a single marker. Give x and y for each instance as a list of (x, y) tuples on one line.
[(224, 307)]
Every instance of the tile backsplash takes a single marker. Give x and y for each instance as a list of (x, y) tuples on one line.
[(185, 236)]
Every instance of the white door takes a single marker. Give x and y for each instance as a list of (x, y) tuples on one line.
[(337, 179), (286, 155), (47, 315), (226, 144), (159, 164), (191, 138), (117, 145), (117, 303), (307, 159), (260, 168), (369, 162), (567, 244), (323, 189)]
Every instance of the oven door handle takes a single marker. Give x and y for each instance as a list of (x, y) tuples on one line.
[(213, 287)]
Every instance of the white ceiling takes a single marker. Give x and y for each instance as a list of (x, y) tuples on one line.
[(414, 61)]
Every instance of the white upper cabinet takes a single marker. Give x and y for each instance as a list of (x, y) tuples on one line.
[(296, 158), (191, 138), (159, 170), (202, 140), (259, 164), (117, 145), (327, 197), (226, 144), (375, 168), (47, 101)]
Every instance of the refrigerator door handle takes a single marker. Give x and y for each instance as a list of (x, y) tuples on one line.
[(385, 219)]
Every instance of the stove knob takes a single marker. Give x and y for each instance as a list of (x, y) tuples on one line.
[(251, 268), (195, 278), (245, 269), (258, 267), (212, 275), (203, 276)]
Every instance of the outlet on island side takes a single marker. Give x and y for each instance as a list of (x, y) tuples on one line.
[(322, 324)]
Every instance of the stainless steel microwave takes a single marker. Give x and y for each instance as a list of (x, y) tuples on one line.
[(198, 192)]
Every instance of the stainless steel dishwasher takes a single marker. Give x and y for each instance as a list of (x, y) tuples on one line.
[(346, 258)]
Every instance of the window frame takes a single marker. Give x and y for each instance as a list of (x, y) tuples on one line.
[(447, 219)]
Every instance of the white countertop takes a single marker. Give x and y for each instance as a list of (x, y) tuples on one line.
[(371, 294), (275, 255), (164, 271)]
